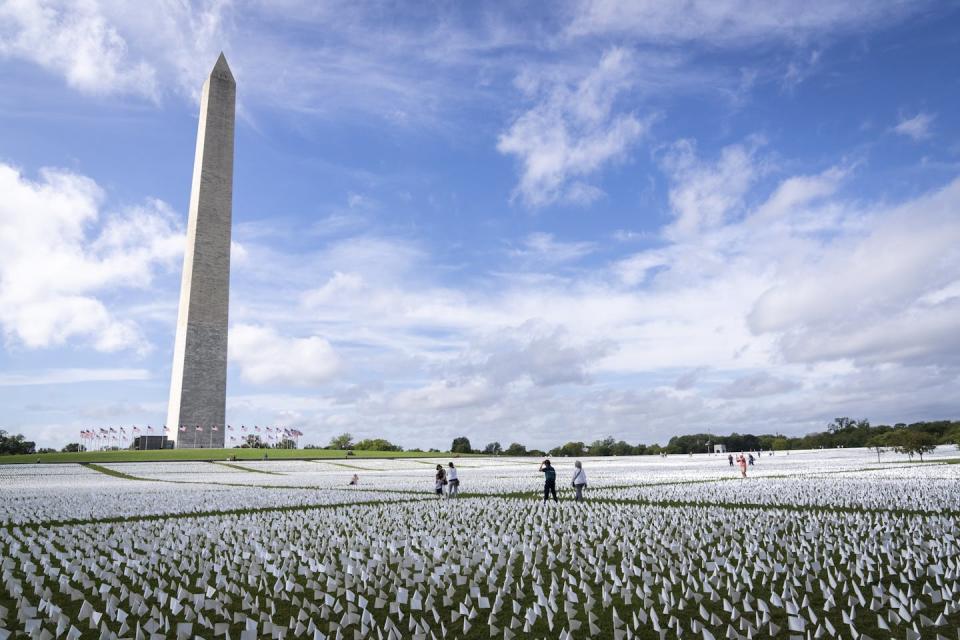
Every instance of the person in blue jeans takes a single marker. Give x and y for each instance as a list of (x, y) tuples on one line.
[(549, 481), (579, 480)]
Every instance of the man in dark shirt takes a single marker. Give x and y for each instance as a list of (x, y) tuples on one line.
[(549, 480)]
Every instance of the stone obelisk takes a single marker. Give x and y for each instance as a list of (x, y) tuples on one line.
[(198, 389)]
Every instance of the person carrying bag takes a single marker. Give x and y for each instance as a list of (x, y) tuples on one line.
[(579, 480)]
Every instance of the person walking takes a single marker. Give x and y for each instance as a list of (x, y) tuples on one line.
[(453, 489), (730, 459), (579, 480), (742, 462), (549, 481), (751, 459), (440, 479)]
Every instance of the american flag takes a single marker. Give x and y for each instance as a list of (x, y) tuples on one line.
[(183, 429), (199, 428)]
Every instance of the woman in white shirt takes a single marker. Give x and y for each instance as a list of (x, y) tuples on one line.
[(579, 480), (453, 483)]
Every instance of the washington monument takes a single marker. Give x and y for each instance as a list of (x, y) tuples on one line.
[(198, 389)]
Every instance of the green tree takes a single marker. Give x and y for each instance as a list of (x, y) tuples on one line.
[(621, 448), (461, 445), (571, 449), (953, 437), (253, 441), (601, 447), (15, 444), (840, 424), (493, 449), (516, 449), (73, 447), (878, 444), (342, 441), (377, 444), (912, 442)]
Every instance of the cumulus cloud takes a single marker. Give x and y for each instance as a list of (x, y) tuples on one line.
[(265, 357), (573, 131), (871, 294), (917, 127), (545, 354), (788, 277), (107, 47), (60, 256), (443, 396)]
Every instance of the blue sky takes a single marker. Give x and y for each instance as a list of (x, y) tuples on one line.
[(529, 224)]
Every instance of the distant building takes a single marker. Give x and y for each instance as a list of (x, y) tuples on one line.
[(719, 448), (143, 443)]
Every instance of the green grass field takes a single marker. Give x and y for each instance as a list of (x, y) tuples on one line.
[(212, 454)]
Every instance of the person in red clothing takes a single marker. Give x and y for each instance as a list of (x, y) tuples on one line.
[(742, 463)]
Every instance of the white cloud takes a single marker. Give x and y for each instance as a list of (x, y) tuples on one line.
[(444, 396), (265, 357), (728, 23), (866, 294), (542, 248), (798, 191), (541, 352), (59, 258), (756, 385), (706, 195), (572, 132), (788, 278), (71, 376), (116, 47), (77, 40), (917, 127)]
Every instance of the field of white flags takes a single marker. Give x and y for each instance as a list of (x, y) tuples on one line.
[(818, 544)]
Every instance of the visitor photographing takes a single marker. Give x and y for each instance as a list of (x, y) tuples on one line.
[(742, 463), (454, 482), (440, 479), (579, 480), (549, 481)]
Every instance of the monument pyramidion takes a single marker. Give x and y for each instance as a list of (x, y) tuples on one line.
[(198, 388)]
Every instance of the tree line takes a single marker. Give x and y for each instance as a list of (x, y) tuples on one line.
[(917, 438)]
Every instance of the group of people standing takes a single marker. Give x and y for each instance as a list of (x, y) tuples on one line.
[(447, 478), (578, 482)]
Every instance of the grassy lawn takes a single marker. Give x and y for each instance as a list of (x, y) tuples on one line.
[(212, 454)]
